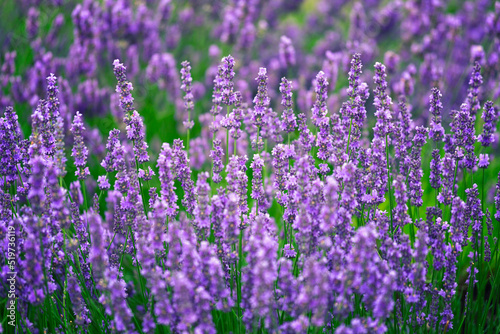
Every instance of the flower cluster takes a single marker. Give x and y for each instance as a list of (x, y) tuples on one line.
[(322, 207)]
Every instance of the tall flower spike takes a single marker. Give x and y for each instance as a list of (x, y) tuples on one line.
[(464, 135), (476, 80), (123, 87), (183, 174), (447, 179), (10, 153), (257, 188), (216, 155), (227, 95), (354, 76), (319, 109), (202, 209), (136, 133), (490, 117), (382, 102), (403, 144), (165, 166), (80, 151), (355, 112), (258, 278), (217, 92), (289, 121), (436, 170), (261, 100), (232, 121), (114, 161), (415, 176), (400, 212), (187, 81), (286, 52), (436, 131)]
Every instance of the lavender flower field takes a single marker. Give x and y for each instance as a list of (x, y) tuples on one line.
[(249, 166)]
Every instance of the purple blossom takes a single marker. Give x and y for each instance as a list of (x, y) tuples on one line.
[(258, 279), (202, 208), (403, 144), (319, 110), (286, 52), (218, 166), (400, 212), (188, 97), (261, 100), (10, 137), (415, 175), (445, 196), (435, 108), (227, 94), (289, 122), (123, 87), (237, 180), (484, 161), (382, 102), (165, 164), (103, 182), (182, 173), (490, 117), (436, 170), (115, 157), (80, 151), (475, 82), (257, 187)]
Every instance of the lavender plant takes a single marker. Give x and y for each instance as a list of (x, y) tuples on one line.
[(324, 206)]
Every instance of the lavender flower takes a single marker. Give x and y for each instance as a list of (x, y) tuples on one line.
[(436, 129), (484, 161), (286, 52), (415, 176), (227, 94), (135, 133), (261, 100), (447, 179), (257, 188), (319, 109), (258, 279), (188, 97), (490, 117), (382, 103), (80, 151), (436, 170), (475, 213), (115, 157), (183, 174), (202, 209), (449, 285), (232, 122), (475, 82), (10, 137), (165, 166), (123, 87), (216, 155), (289, 122), (103, 182), (403, 132), (400, 212), (80, 309), (237, 180)]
